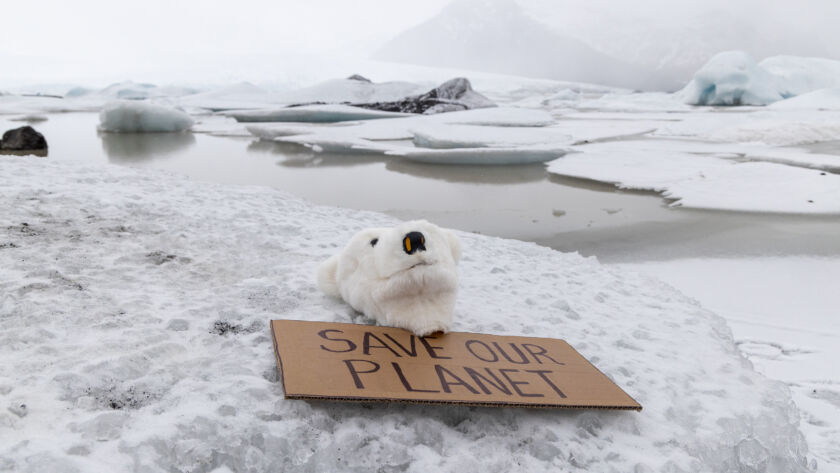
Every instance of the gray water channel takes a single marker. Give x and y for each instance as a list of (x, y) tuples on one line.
[(522, 202)]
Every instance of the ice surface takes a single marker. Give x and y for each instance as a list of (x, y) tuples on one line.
[(135, 310), (243, 95), (707, 179), (758, 297), (443, 136), (142, 117), (803, 74), (331, 113), (354, 91), (733, 78), (822, 99)]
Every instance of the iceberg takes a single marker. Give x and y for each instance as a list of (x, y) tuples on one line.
[(733, 78), (142, 117)]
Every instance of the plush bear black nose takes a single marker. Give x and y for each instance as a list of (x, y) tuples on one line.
[(413, 242)]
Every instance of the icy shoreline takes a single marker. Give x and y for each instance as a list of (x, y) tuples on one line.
[(135, 308)]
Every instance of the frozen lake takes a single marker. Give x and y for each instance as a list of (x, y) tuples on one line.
[(522, 202)]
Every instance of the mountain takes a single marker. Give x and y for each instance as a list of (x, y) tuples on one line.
[(498, 36), (646, 44)]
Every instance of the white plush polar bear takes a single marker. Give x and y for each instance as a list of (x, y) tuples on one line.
[(404, 276)]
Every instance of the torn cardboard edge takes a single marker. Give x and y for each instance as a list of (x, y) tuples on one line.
[(329, 361)]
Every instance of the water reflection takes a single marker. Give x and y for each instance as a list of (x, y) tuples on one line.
[(127, 148), (463, 173), (298, 156), (822, 147)]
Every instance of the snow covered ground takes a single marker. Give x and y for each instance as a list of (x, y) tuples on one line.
[(135, 308), (783, 323)]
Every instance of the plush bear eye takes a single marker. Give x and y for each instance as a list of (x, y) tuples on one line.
[(374, 242)]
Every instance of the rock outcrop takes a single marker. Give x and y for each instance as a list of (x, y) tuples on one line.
[(24, 138)]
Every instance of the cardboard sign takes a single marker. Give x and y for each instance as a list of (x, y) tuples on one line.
[(349, 362)]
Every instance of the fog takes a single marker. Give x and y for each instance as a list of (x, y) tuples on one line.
[(652, 42)]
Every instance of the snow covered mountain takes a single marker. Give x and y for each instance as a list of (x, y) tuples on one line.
[(649, 44), (499, 36)]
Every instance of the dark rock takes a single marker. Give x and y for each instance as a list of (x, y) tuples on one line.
[(24, 138), (451, 96), (359, 78)]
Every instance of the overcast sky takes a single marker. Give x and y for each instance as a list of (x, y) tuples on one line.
[(81, 28), (84, 41)]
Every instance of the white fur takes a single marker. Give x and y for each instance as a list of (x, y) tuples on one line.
[(411, 291)]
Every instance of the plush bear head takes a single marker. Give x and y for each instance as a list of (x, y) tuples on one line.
[(403, 276)]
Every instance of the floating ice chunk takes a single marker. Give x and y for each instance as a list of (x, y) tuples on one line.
[(444, 136), (761, 187), (310, 113), (781, 130), (640, 169), (269, 132), (709, 182), (142, 117), (498, 116), (733, 78), (481, 156)]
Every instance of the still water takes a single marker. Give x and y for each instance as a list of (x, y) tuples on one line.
[(522, 202)]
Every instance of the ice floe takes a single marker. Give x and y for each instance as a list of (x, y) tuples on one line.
[(329, 113), (714, 179), (482, 156), (142, 117), (135, 310)]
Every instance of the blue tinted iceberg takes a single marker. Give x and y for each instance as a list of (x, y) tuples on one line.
[(733, 78)]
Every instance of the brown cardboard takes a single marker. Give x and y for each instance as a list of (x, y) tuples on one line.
[(349, 362)]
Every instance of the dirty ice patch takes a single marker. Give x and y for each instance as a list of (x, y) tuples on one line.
[(142, 117), (135, 309), (710, 180)]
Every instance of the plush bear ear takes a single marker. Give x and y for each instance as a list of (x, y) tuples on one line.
[(454, 245), (327, 276)]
